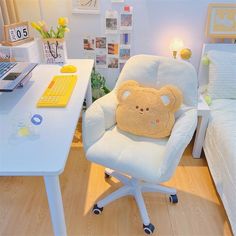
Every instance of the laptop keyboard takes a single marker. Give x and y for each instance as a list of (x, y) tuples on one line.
[(5, 67)]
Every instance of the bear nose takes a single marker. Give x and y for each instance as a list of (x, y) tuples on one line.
[(141, 109)]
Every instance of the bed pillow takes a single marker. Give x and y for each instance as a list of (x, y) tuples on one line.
[(146, 111), (222, 75)]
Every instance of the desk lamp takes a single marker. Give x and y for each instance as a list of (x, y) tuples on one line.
[(175, 45)]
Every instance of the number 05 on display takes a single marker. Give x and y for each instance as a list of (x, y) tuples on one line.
[(16, 33)]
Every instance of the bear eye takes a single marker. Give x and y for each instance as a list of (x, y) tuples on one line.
[(147, 109), (136, 107)]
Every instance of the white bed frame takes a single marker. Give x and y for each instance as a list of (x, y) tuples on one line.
[(203, 81), (203, 109), (203, 70)]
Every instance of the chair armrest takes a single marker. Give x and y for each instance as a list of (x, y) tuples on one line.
[(99, 117), (181, 136)]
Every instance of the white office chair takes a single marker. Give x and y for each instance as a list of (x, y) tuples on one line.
[(140, 163)]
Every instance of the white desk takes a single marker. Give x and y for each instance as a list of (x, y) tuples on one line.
[(203, 112), (47, 154)]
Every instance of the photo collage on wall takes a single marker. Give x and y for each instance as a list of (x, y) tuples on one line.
[(113, 49)]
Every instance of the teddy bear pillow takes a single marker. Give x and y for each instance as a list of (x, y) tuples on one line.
[(146, 111)]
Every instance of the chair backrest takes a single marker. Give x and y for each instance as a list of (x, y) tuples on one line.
[(155, 71)]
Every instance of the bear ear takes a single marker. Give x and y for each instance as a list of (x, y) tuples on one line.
[(126, 89), (171, 97)]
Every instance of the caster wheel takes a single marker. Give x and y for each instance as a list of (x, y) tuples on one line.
[(173, 199), (97, 210), (149, 229), (107, 176)]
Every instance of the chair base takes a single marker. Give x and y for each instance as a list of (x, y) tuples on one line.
[(135, 188)]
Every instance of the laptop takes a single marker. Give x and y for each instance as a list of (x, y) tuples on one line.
[(14, 74)]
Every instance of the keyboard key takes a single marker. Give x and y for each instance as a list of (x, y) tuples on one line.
[(5, 67)]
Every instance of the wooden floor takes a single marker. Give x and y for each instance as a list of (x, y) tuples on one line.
[(24, 210)]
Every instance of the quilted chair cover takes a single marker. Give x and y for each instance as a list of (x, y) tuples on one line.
[(147, 159)]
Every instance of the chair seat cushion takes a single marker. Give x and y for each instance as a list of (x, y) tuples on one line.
[(137, 156)]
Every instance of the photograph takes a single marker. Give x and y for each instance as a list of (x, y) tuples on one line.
[(125, 38), (111, 24), (113, 62), (101, 42), (221, 22), (89, 54), (126, 22), (89, 44), (113, 48), (101, 60), (124, 53)]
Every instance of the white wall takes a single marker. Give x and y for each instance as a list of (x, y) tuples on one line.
[(156, 22)]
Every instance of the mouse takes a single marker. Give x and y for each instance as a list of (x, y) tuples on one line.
[(68, 69)]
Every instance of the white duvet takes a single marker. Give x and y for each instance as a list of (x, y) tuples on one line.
[(220, 150)]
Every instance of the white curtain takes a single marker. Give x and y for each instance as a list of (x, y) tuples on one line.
[(8, 14), (1, 25), (9, 11)]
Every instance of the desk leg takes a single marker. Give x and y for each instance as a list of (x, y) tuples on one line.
[(88, 97), (53, 190), (200, 136)]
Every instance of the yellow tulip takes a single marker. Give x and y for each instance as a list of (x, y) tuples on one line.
[(62, 21), (41, 23), (35, 26)]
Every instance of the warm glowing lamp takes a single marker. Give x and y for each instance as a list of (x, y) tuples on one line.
[(175, 45)]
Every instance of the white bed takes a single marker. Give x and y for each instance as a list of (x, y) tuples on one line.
[(220, 141)]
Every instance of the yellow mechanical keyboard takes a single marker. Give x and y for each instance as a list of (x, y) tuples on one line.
[(58, 91)]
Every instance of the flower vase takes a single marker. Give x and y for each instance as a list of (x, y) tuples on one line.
[(54, 51)]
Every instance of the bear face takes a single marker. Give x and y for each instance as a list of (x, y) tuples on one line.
[(147, 111)]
